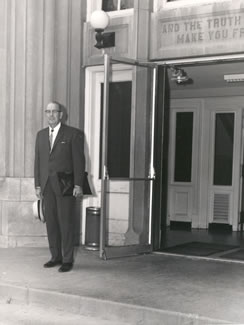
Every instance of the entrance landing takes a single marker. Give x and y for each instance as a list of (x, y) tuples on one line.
[(214, 243), (146, 289)]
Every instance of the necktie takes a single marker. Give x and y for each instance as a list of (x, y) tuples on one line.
[(51, 139)]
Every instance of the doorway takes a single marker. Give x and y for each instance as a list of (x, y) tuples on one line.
[(198, 130), (120, 139), (204, 156)]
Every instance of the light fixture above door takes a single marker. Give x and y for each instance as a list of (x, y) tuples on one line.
[(179, 75)]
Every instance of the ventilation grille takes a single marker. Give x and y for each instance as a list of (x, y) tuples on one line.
[(221, 208)]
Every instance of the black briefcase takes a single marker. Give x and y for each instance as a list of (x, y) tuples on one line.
[(86, 186), (66, 183)]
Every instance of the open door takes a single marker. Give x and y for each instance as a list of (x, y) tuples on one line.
[(127, 160)]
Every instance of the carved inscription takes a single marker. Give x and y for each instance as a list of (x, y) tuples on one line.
[(207, 29)]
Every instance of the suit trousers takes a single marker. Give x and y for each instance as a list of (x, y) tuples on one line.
[(60, 222)]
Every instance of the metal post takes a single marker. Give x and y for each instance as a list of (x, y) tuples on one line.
[(104, 176), (152, 170)]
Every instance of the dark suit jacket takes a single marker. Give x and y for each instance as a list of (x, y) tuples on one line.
[(67, 155)]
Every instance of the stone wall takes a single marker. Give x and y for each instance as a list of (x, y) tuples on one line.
[(41, 59), (19, 227)]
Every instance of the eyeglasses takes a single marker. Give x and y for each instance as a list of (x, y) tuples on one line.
[(55, 111)]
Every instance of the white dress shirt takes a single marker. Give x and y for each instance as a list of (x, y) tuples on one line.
[(55, 132)]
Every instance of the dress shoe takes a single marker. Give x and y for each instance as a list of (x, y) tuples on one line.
[(52, 263), (65, 267)]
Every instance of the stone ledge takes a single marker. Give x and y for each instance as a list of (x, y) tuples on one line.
[(103, 309), (18, 226)]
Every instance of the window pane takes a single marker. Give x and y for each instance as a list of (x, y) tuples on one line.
[(119, 129), (110, 5), (126, 4), (223, 152), (183, 147)]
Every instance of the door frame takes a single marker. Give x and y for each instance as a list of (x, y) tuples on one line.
[(94, 77), (159, 219), (185, 189), (106, 251), (233, 192), (160, 155)]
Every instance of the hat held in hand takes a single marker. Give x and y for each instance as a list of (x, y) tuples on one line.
[(38, 210)]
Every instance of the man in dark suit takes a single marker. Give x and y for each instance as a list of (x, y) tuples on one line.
[(59, 171)]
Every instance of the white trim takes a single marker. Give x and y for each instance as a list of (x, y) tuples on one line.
[(164, 4), (93, 5), (187, 190), (121, 13), (94, 76)]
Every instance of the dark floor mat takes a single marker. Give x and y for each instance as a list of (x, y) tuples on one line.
[(237, 255), (198, 249)]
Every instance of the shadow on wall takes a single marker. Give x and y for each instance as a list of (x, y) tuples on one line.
[(65, 114)]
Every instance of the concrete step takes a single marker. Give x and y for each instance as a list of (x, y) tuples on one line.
[(16, 314), (109, 311)]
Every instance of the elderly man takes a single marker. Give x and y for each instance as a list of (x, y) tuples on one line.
[(59, 171)]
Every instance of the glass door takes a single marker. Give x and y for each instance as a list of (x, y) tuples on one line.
[(127, 159)]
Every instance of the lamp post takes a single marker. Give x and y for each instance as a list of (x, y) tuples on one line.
[(99, 21)]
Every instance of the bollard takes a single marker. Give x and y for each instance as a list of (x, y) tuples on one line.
[(92, 234)]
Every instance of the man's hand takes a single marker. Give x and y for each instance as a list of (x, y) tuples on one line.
[(77, 192), (38, 193)]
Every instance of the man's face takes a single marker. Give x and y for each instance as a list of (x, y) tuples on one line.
[(53, 114)]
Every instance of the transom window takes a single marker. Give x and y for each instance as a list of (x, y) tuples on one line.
[(115, 5)]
